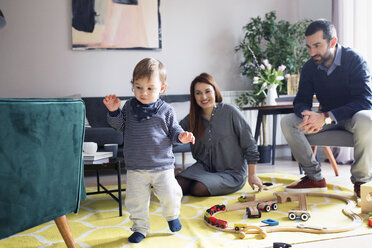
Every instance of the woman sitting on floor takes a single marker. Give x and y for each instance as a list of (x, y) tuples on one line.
[(224, 144)]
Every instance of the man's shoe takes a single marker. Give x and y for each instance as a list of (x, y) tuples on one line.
[(307, 185), (357, 188)]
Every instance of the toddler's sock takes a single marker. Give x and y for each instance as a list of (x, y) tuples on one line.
[(174, 225), (136, 237)]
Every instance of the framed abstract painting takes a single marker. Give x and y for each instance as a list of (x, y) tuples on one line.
[(116, 24)]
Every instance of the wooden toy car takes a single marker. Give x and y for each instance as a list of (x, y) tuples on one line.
[(253, 212), (217, 222), (267, 206), (304, 215), (215, 209), (238, 226), (246, 198)]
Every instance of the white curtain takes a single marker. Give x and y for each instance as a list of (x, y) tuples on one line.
[(353, 21)]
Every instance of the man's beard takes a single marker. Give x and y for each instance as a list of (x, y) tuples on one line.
[(322, 59)]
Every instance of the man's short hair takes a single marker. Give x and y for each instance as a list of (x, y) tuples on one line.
[(329, 30)]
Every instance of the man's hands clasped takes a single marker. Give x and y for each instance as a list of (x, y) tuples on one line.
[(312, 122)]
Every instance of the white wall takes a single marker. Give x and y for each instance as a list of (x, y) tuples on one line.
[(315, 9), (36, 59)]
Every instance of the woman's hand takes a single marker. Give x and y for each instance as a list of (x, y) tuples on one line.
[(186, 137), (254, 180), (111, 102)]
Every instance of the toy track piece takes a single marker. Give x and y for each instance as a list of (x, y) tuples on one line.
[(357, 220), (273, 186), (258, 229), (270, 222)]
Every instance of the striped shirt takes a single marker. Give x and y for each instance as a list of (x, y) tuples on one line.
[(148, 142)]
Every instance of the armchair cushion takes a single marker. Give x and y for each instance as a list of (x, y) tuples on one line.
[(41, 168)]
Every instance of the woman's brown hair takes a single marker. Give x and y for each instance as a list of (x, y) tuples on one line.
[(195, 116)]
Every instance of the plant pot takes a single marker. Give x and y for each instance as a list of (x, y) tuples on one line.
[(265, 154), (292, 84)]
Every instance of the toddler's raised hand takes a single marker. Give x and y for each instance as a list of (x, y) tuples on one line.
[(111, 102), (186, 137)]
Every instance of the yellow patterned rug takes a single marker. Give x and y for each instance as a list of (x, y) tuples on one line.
[(99, 225)]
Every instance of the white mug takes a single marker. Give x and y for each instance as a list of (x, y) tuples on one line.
[(90, 147)]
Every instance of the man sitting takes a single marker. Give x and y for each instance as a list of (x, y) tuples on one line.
[(340, 79)]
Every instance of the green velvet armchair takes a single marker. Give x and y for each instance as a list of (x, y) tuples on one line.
[(41, 167)]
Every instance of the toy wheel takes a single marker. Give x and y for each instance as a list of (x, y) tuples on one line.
[(304, 217), (274, 206), (249, 214), (292, 216), (267, 208), (259, 213), (237, 228)]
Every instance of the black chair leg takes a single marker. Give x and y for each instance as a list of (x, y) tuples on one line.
[(293, 159), (300, 168)]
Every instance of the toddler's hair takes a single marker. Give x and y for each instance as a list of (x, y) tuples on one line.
[(146, 67)]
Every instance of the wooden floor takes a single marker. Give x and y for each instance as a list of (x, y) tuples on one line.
[(282, 164)]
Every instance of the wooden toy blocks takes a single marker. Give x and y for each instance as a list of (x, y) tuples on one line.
[(366, 197)]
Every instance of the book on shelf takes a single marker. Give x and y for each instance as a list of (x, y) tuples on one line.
[(96, 156), (98, 161)]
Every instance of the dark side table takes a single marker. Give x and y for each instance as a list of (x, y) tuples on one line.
[(113, 164), (273, 110)]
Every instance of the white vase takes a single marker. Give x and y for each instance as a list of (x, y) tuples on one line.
[(271, 95)]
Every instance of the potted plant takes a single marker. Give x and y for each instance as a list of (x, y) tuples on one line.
[(281, 43), (266, 82)]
